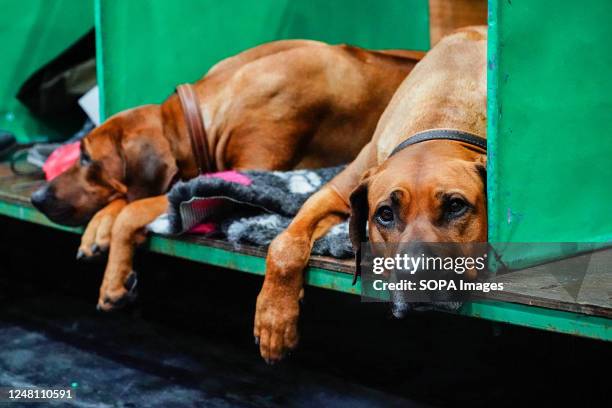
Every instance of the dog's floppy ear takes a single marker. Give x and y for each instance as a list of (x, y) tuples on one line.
[(358, 220), (150, 169), (102, 145), (481, 169)]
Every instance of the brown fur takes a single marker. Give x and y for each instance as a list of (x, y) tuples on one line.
[(447, 89), (282, 105)]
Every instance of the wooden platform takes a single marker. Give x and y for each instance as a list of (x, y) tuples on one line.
[(564, 285), (535, 297)]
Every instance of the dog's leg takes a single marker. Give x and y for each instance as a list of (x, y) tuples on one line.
[(277, 309), (127, 232), (97, 235)]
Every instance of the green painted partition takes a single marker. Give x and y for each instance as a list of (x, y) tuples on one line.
[(32, 32), (550, 122), (147, 47)]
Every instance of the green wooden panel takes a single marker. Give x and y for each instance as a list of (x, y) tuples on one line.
[(147, 47), (550, 133), (539, 318), (32, 32)]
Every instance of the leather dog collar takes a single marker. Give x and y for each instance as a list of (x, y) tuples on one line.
[(195, 126), (442, 134)]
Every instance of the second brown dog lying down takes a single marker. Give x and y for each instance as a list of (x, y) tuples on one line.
[(282, 105), (432, 191)]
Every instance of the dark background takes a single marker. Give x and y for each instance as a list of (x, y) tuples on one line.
[(188, 342)]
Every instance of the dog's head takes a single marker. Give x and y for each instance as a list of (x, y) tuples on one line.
[(127, 156), (430, 192)]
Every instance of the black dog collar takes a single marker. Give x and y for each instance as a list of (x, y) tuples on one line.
[(442, 134)]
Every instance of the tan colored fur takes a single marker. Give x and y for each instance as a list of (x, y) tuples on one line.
[(447, 89)]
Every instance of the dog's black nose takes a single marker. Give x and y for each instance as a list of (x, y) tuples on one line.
[(41, 197)]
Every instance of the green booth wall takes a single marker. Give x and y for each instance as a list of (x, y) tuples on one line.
[(550, 124), (147, 47), (33, 32)]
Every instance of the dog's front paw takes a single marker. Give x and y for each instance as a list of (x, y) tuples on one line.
[(115, 298), (276, 321), (97, 236)]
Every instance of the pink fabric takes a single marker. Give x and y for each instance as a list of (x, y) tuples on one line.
[(231, 176), (203, 228), (61, 160), (210, 204)]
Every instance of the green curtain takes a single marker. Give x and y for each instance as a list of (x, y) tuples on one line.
[(32, 32)]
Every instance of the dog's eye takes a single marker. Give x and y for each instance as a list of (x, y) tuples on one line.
[(85, 159), (456, 207), (384, 215)]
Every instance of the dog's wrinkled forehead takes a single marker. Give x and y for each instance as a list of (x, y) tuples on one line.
[(439, 168)]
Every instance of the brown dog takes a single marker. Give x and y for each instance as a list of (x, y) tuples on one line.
[(429, 192), (282, 105)]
